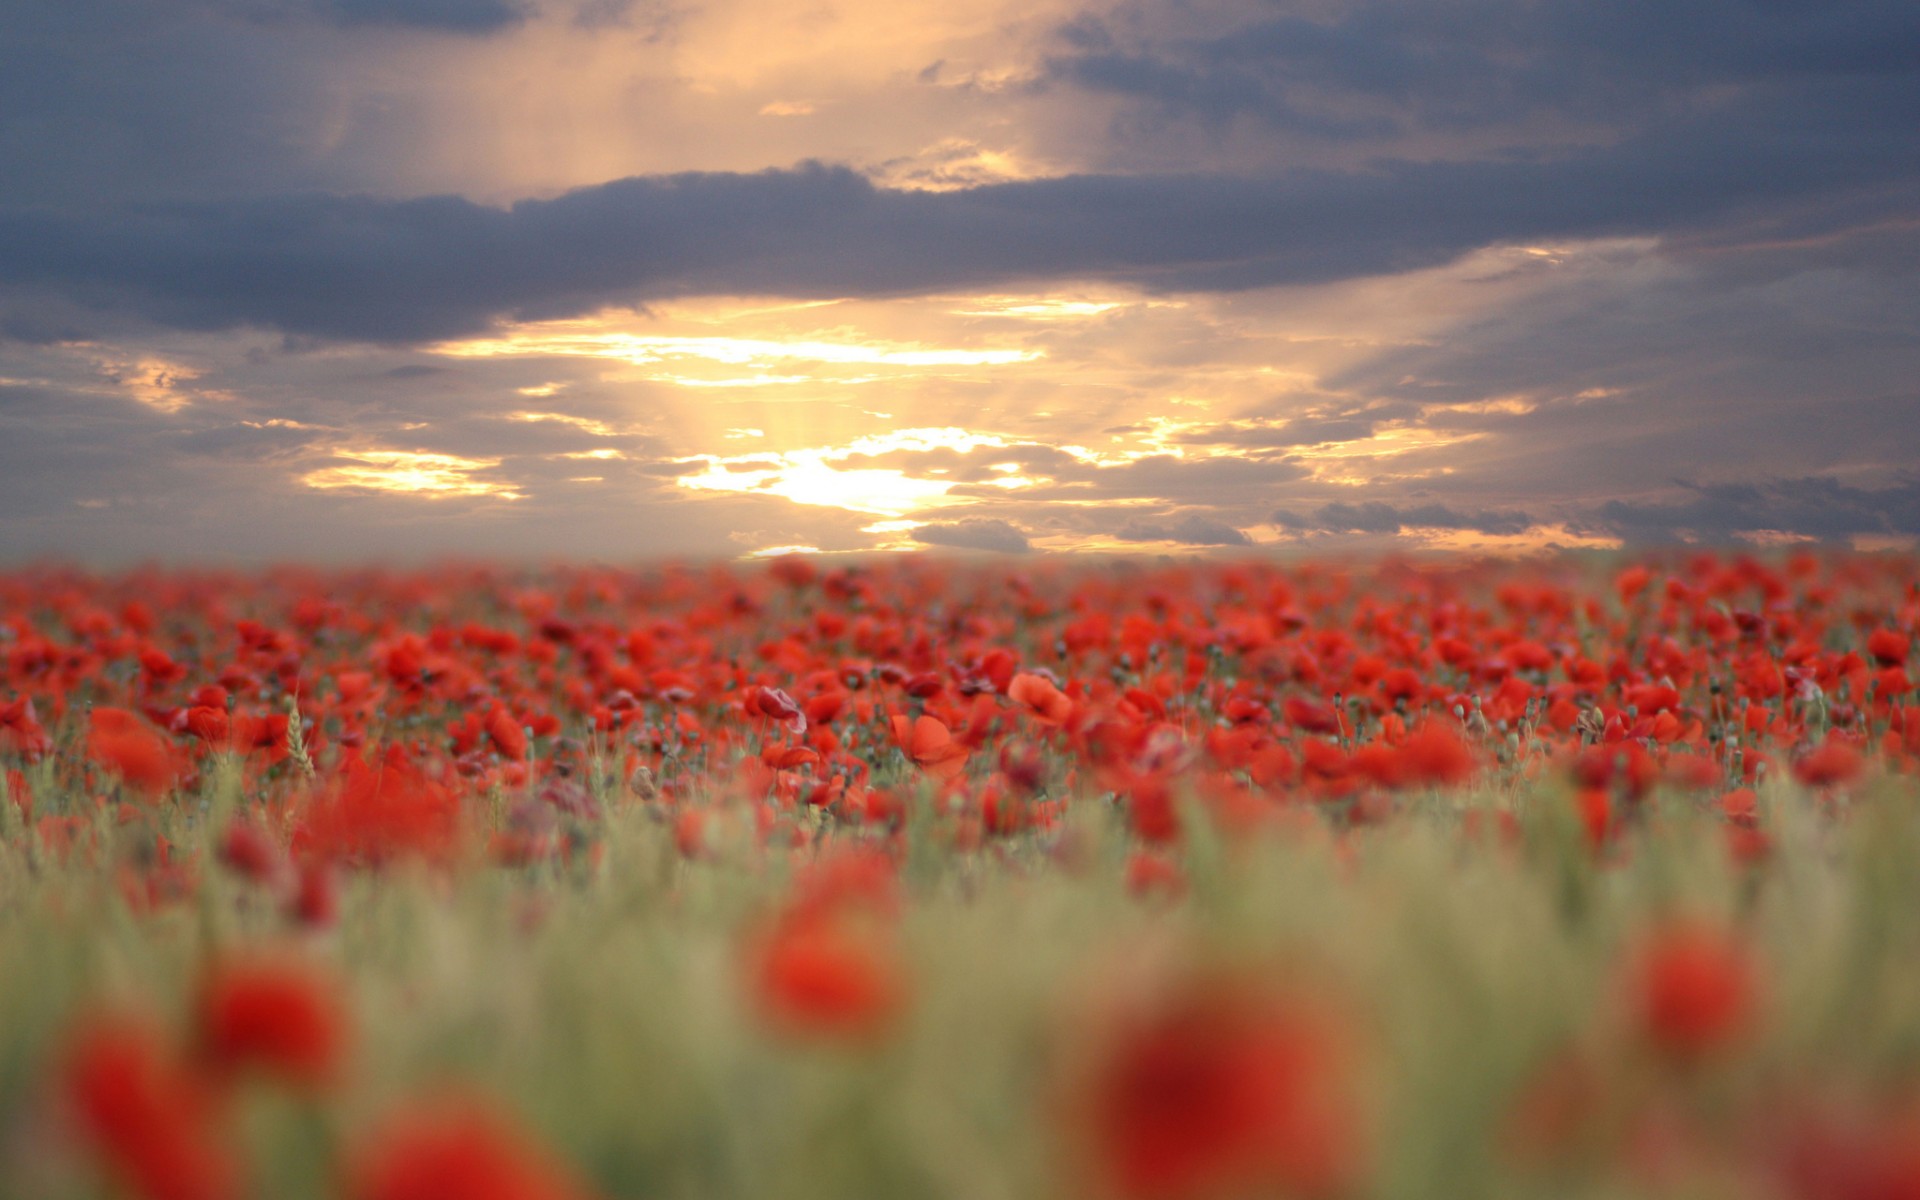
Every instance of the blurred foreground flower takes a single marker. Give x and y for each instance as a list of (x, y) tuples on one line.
[(148, 1116), (1217, 1088), (1694, 991), (280, 1019), (827, 967), (827, 976), (457, 1148)]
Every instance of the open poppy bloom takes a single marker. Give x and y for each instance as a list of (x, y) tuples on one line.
[(1045, 702), (930, 745)]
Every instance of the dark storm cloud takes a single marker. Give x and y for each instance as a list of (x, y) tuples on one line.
[(1838, 153), (975, 533), (1634, 369), (1357, 70), (1194, 529), (453, 16), (464, 16), (38, 329), (106, 100), (1379, 517), (1814, 506), (1706, 120)]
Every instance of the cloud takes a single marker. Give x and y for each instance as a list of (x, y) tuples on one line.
[(975, 533), (1193, 529), (1220, 480), (356, 267), (1299, 431), (459, 16), (1378, 517), (1811, 506), (1529, 260), (1379, 67)]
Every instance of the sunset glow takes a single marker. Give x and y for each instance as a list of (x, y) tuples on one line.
[(431, 476), (572, 339), (1203, 279), (819, 476)]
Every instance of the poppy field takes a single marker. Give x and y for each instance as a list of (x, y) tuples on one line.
[(1574, 877)]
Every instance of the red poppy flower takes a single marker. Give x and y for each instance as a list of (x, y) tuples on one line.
[(21, 731), (1435, 756), (132, 749), (1216, 1089), (774, 703), (1849, 1152), (316, 896), (929, 744), (506, 734), (457, 1148), (381, 812), (1694, 991), (280, 1019), (148, 1117), (827, 976), (1888, 647), (1150, 874), (1833, 763), (247, 849), (1046, 703), (1310, 716)]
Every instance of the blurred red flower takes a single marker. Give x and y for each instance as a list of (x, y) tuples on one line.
[(827, 975), (147, 1115), (1435, 756), (1888, 647), (1830, 764), (279, 1018), (506, 734), (247, 849), (1694, 990), (380, 812), (1217, 1089), (128, 746), (1310, 716), (457, 1148)]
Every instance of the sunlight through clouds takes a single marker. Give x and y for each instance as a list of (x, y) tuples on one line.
[(159, 384), (583, 424), (1039, 308), (432, 476), (586, 339), (813, 476)]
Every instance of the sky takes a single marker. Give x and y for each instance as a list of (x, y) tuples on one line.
[(622, 279)]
